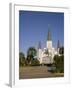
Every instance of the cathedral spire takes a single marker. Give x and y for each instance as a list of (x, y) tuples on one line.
[(58, 44), (49, 34)]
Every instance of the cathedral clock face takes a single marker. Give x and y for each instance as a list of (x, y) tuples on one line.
[(41, 44)]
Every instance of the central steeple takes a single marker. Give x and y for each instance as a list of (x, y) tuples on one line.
[(49, 34), (49, 38)]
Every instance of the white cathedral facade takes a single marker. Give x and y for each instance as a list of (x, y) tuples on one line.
[(46, 55)]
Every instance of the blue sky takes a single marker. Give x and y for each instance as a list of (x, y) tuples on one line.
[(33, 27)]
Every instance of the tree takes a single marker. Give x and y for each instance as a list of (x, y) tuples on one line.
[(56, 62), (61, 50), (59, 63), (35, 62), (21, 59), (31, 53)]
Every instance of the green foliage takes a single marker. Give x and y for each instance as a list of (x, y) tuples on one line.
[(21, 59), (31, 59), (61, 50), (31, 53), (35, 62), (59, 63)]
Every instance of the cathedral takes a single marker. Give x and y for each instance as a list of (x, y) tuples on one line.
[(46, 55)]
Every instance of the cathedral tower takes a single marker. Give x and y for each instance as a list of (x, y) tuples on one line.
[(49, 39)]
